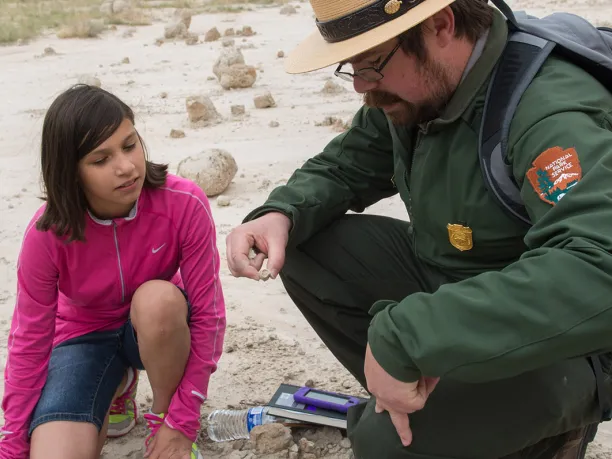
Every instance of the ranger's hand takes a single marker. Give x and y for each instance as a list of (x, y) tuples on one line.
[(267, 235), (398, 398)]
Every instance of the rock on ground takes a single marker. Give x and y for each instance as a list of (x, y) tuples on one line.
[(176, 30), (223, 201), (253, 351), (246, 31), (212, 35), (228, 41), (264, 100), (238, 76), (212, 170), (200, 108), (184, 16), (331, 87), (90, 80), (276, 441), (336, 123), (232, 71), (192, 38), (271, 438), (227, 58), (288, 9), (237, 110)]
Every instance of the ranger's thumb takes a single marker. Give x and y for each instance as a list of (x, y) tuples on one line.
[(276, 259)]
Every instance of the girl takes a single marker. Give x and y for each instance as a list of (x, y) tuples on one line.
[(118, 272)]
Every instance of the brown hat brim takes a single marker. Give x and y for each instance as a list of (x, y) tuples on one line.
[(315, 53)]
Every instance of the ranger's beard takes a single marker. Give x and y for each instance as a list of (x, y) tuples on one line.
[(408, 113)]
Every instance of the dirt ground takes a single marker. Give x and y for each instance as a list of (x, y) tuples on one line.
[(268, 342)]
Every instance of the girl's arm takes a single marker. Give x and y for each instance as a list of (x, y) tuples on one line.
[(199, 267), (30, 340)]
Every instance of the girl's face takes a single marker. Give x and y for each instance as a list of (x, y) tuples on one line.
[(113, 174)]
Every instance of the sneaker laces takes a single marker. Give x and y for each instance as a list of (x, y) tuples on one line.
[(119, 406), (154, 422)]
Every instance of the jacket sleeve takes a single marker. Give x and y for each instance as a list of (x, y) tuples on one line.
[(199, 265), (554, 303), (354, 171), (30, 341)]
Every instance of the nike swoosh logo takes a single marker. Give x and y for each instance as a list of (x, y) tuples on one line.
[(158, 249)]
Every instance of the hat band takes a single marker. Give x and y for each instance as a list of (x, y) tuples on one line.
[(365, 19)]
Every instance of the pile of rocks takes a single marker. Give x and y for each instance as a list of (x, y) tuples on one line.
[(276, 441)]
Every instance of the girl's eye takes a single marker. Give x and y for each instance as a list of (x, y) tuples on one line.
[(130, 147), (100, 161)]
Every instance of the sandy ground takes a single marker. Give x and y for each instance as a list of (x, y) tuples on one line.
[(268, 341)]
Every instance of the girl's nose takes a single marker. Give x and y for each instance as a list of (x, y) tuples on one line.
[(125, 166)]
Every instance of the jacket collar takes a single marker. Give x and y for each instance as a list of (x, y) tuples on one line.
[(478, 70), (131, 216)]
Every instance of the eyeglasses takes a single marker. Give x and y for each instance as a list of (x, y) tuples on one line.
[(370, 74)]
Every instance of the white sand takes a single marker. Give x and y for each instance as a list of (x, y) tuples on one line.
[(268, 341)]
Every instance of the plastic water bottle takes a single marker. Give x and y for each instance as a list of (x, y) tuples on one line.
[(226, 425)]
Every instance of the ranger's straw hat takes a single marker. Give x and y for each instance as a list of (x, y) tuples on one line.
[(346, 28)]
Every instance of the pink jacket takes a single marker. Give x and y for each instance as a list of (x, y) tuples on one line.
[(67, 290)]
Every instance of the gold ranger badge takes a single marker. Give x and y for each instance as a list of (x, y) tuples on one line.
[(392, 6), (460, 236)]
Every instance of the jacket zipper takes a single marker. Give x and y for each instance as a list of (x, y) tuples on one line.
[(119, 262), (416, 145), (419, 138)]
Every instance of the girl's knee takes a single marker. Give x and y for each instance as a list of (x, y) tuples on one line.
[(57, 440), (158, 304)]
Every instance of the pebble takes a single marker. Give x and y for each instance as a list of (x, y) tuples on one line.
[(223, 201)]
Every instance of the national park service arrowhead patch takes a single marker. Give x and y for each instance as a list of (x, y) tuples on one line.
[(554, 172)]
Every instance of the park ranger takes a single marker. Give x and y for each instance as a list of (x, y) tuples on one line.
[(477, 335)]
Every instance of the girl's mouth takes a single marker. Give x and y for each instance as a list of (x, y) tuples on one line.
[(128, 185)]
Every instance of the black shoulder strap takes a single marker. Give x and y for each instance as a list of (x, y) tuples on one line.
[(507, 11), (522, 58)]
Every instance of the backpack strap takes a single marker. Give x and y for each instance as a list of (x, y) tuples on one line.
[(507, 11), (521, 60)]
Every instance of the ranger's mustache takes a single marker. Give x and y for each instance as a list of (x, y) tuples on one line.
[(379, 99)]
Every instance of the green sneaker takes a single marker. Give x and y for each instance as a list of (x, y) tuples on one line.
[(124, 411), (195, 452), (154, 422)]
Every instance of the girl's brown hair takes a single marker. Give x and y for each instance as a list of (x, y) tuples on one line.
[(77, 122)]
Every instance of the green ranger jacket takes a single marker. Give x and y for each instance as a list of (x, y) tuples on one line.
[(522, 297)]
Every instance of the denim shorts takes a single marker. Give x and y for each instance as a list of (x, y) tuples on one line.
[(84, 374)]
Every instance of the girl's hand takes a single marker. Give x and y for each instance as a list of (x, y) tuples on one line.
[(169, 444)]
